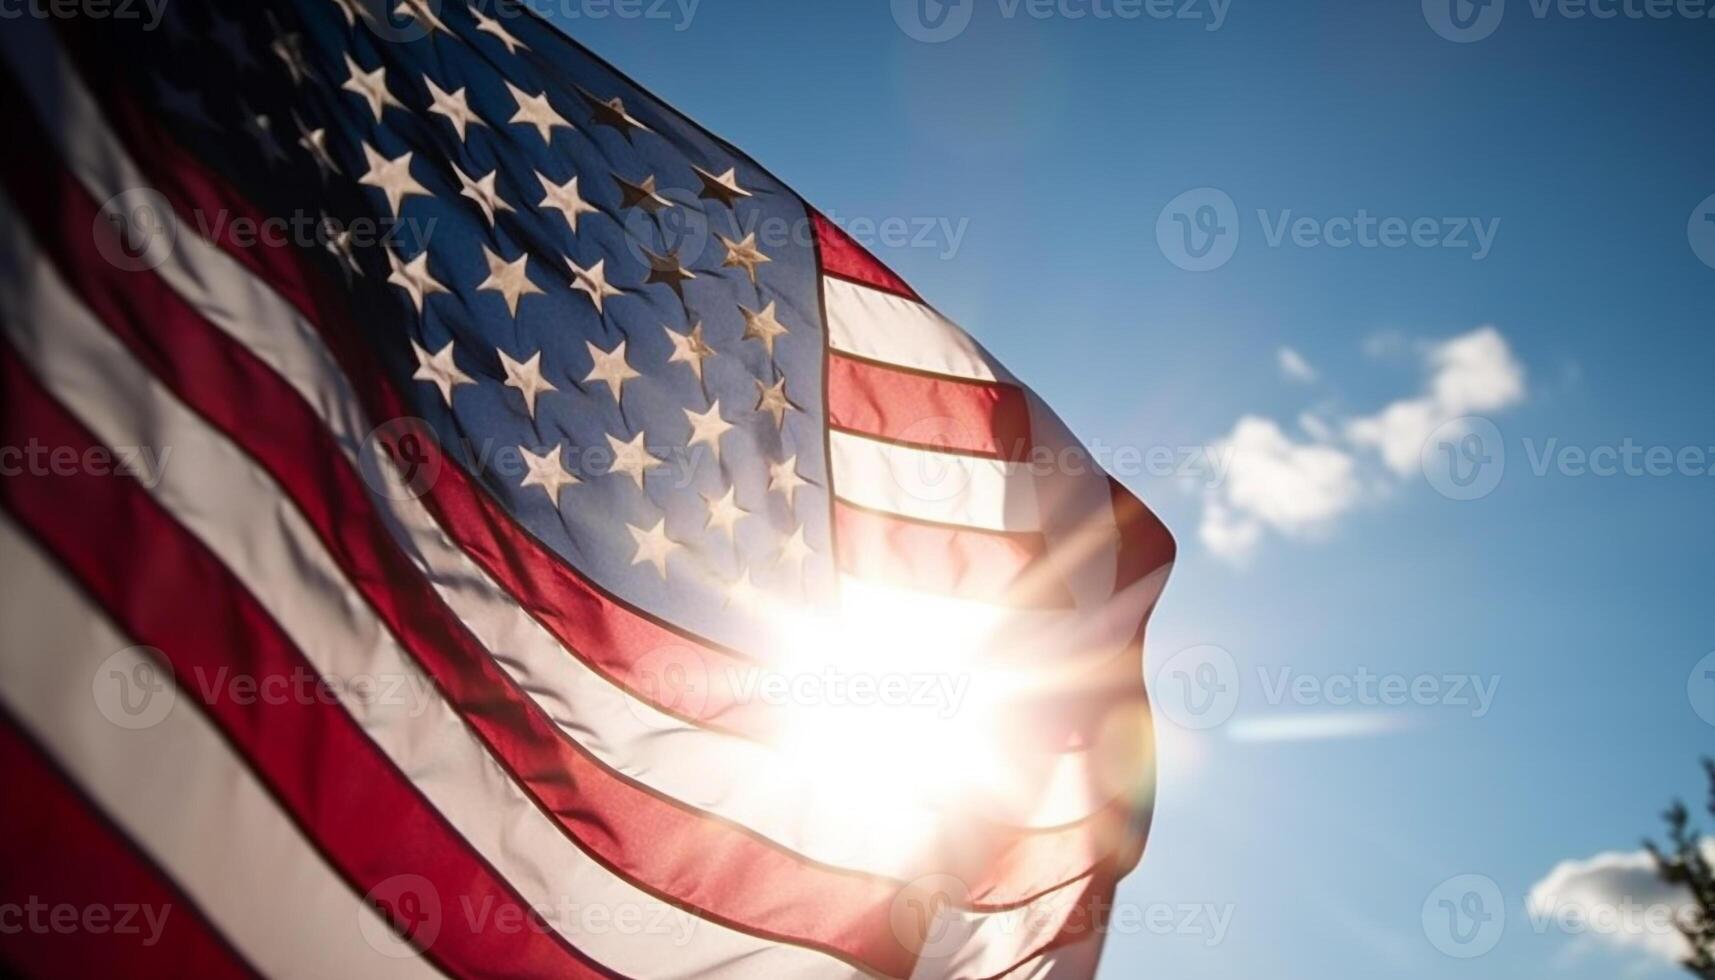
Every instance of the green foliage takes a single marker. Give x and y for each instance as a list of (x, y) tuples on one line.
[(1685, 861)]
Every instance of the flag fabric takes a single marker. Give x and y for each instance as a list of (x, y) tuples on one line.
[(461, 517)]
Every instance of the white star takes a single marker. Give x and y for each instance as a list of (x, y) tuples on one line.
[(643, 194), (743, 593), (763, 326), (784, 478), (612, 112), (720, 187), (535, 110), (289, 48), (351, 11), (526, 376), (392, 177), (424, 11), (481, 190), (565, 199), (611, 367), (689, 348), (744, 255), (339, 246), (707, 428), (315, 142), (261, 129), (489, 25), (794, 551), (724, 512), (414, 277), (440, 370), (772, 399), (593, 282), (631, 458), (452, 105), (509, 279), (547, 472), (370, 86), (653, 546)]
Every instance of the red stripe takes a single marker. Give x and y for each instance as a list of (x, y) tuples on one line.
[(929, 411), (655, 842), (1005, 864), (843, 257), (1146, 545), (964, 562), (110, 535), (58, 849), (617, 640), (665, 847)]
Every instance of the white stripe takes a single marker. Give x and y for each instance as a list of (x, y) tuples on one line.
[(177, 789), (686, 763), (1042, 789), (779, 795), (1075, 962), (237, 510), (883, 327), (989, 494), (968, 946)]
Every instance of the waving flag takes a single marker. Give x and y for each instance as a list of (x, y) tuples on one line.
[(463, 518)]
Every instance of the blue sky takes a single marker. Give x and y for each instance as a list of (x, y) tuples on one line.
[(1041, 155)]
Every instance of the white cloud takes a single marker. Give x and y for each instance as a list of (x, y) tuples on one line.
[(1296, 488), (1277, 483), (1615, 899), (1294, 367), (1472, 373), (1314, 727)]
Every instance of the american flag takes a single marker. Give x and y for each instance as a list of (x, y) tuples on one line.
[(461, 517)]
